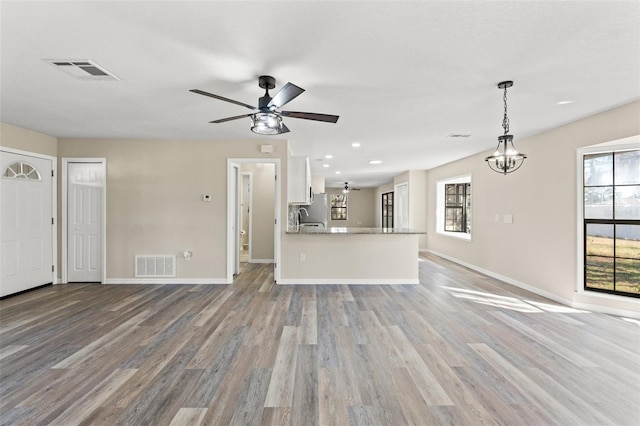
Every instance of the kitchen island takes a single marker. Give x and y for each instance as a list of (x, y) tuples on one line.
[(338, 255)]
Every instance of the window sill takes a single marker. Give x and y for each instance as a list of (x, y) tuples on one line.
[(457, 235)]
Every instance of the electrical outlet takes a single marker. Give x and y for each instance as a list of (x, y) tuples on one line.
[(303, 257)]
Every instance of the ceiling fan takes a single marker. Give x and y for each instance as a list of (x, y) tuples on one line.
[(266, 118), (348, 189)]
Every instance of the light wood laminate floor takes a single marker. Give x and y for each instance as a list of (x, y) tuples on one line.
[(460, 348)]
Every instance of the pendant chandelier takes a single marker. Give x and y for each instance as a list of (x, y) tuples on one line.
[(506, 158)]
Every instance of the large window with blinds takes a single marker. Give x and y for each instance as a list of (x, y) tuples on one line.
[(612, 222)]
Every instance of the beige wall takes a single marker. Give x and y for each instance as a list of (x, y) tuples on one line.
[(539, 248), (154, 205), (360, 208), (263, 196), (27, 140)]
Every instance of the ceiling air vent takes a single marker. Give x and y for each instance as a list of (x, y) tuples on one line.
[(82, 69)]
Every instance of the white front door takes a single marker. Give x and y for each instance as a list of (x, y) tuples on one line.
[(26, 229), (85, 183)]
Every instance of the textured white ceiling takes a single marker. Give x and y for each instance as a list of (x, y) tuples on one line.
[(401, 75)]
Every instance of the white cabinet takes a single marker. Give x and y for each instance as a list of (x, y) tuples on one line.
[(299, 180)]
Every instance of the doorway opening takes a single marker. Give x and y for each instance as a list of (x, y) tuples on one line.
[(83, 220), (253, 212)]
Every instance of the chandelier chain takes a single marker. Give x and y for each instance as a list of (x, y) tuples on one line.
[(505, 120)]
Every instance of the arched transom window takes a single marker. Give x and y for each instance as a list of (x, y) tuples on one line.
[(21, 170)]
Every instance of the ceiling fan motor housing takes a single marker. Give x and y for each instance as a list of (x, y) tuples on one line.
[(263, 103)]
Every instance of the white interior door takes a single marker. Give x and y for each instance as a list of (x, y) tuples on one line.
[(26, 229), (85, 184), (401, 206)]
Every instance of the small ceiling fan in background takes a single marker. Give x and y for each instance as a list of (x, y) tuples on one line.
[(348, 188), (266, 118)]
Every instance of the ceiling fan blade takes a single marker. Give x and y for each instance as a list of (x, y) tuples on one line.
[(211, 95), (285, 129), (288, 92), (311, 116), (237, 117)]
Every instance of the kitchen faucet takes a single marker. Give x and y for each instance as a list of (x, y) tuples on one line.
[(299, 215)]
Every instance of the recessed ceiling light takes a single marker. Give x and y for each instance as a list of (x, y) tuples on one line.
[(329, 156), (337, 173), (356, 144), (325, 165), (375, 161), (565, 102)]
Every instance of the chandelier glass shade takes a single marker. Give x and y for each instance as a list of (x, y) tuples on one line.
[(506, 158)]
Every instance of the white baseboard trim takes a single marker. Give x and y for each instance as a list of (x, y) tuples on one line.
[(506, 279), (567, 302), (166, 281), (350, 281), (588, 300), (261, 261)]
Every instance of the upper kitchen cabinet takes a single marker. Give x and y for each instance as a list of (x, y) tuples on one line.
[(299, 180)]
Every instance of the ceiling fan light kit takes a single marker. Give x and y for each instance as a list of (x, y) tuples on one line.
[(506, 158), (265, 118), (264, 123)]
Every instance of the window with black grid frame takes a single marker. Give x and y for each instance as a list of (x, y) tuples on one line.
[(457, 207), (612, 222)]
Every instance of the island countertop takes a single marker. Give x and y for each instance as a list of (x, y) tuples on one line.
[(332, 230)]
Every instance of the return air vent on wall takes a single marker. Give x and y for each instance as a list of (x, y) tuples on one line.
[(82, 69), (155, 266)]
